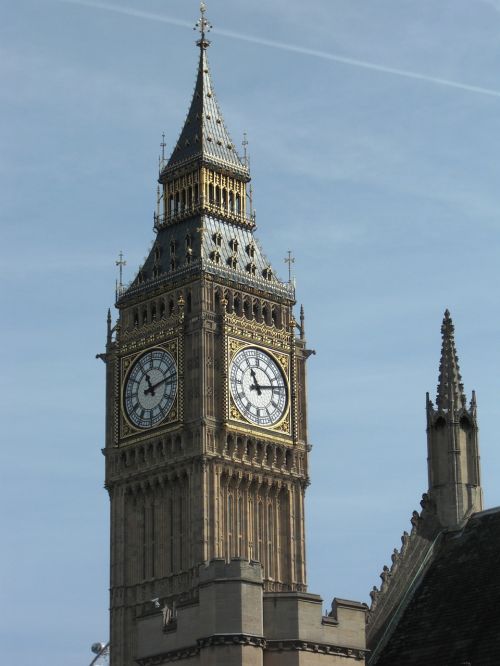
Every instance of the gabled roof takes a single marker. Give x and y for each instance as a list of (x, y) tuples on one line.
[(204, 135), (451, 619)]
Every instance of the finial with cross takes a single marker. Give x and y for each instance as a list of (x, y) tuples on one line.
[(244, 143), (289, 260), (120, 262), (163, 146), (203, 26)]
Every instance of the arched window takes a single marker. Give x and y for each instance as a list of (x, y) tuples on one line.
[(231, 202), (230, 522), (247, 310), (217, 195), (211, 196), (177, 202), (238, 204), (224, 197)]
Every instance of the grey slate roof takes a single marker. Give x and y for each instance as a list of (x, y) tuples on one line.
[(452, 618), (204, 135), (233, 244)]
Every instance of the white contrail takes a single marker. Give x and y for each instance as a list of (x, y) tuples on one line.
[(325, 55)]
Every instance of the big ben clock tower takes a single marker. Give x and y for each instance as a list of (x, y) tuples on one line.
[(206, 430)]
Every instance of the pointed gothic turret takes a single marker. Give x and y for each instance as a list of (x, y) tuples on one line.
[(204, 137), (450, 390), (452, 440)]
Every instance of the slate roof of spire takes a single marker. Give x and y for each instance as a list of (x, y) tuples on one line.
[(204, 135), (450, 390), (451, 619)]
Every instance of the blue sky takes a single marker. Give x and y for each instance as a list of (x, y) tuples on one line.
[(383, 183)]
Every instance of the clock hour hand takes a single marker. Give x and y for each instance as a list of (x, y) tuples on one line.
[(150, 388), (255, 387)]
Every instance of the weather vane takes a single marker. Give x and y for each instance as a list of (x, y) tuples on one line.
[(203, 26)]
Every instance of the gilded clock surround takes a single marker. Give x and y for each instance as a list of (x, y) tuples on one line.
[(127, 427), (234, 346)]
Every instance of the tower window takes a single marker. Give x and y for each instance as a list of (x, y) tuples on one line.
[(215, 256), (267, 273), (217, 238), (251, 268), (233, 244), (232, 262), (172, 246), (251, 250), (189, 240)]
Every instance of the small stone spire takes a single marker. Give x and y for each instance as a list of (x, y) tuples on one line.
[(450, 390), (452, 441)]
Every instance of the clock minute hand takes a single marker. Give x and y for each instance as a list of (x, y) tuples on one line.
[(151, 388), (275, 386)]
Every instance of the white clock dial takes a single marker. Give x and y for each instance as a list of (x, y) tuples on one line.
[(258, 387), (150, 388)]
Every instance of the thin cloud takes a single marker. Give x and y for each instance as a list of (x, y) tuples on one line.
[(292, 48)]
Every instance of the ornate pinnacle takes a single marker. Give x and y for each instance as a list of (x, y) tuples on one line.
[(450, 390), (203, 26)]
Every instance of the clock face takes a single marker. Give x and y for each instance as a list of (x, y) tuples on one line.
[(258, 387), (150, 388)]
